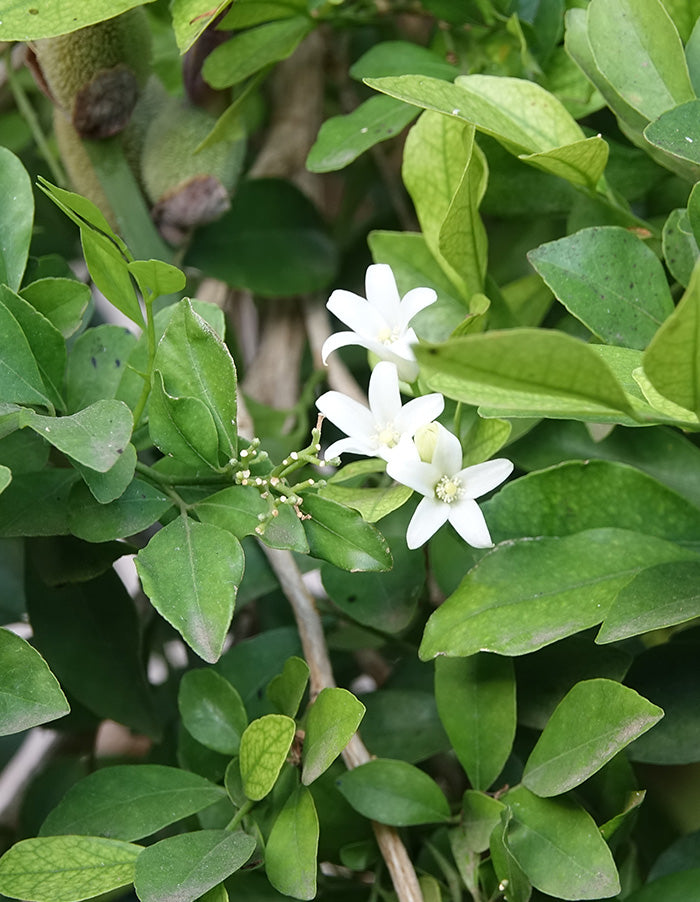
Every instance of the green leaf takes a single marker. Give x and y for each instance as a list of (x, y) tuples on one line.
[(112, 484), (476, 701), (29, 692), (36, 504), (235, 508), (109, 272), (246, 53), (265, 745), (245, 13), (581, 163), (516, 886), (183, 868), (285, 531), (534, 372), (343, 139), (62, 301), (130, 801), (679, 246), (528, 593), (96, 364), (95, 436), (268, 219), (591, 724), (659, 597), (403, 724), (610, 280), (156, 277), (394, 792), (290, 853), (20, 379), (480, 814), (191, 18), (398, 57), (139, 506), (191, 572), (339, 535), (558, 846), (212, 710), (196, 363), (676, 132), (373, 503), (80, 210), (651, 75), (5, 477), (66, 868), (182, 428), (17, 202), (672, 360), (286, 689), (331, 722), (677, 887)]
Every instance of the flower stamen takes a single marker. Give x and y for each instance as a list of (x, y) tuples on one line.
[(388, 436), (449, 489)]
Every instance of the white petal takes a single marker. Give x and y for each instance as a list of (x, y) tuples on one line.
[(419, 412), (340, 340), (481, 478), (402, 356), (466, 517), (347, 414), (350, 446), (415, 473), (357, 313), (425, 522), (384, 395), (414, 301), (447, 456), (382, 292)]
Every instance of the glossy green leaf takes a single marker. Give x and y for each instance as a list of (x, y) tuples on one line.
[(659, 597), (139, 506), (651, 75), (558, 846), (212, 710), (66, 868), (679, 246), (480, 814), (591, 724), (394, 792), (29, 693), (676, 132), (112, 484), (331, 722), (344, 138), (62, 301), (182, 428), (610, 280), (109, 272), (191, 18), (531, 372), (17, 203), (339, 535), (95, 436), (286, 689), (191, 572), (96, 365), (476, 701), (130, 801), (20, 379), (196, 363), (672, 360), (264, 748), (373, 503), (527, 593), (268, 219), (290, 853), (156, 277), (235, 508), (183, 868)]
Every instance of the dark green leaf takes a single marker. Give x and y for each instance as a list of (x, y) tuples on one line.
[(137, 508), (17, 204), (29, 692), (236, 508), (516, 886), (130, 801), (212, 710), (676, 131), (339, 535), (96, 365), (284, 530), (403, 724), (290, 854), (36, 504), (265, 745), (112, 484), (331, 722), (20, 379), (286, 690), (678, 887)]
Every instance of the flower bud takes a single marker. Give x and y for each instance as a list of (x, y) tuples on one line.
[(425, 440)]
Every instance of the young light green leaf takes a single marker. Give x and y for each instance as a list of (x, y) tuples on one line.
[(476, 702), (29, 693), (109, 272), (558, 846), (610, 280), (5, 477), (528, 593), (212, 710), (286, 689), (62, 301), (191, 18), (340, 535), (264, 748), (139, 506), (331, 722), (182, 427), (182, 868), (656, 598), (394, 792), (191, 572), (480, 814), (290, 853), (80, 210), (156, 277), (66, 868), (130, 801), (17, 203), (95, 436), (581, 163), (590, 725)]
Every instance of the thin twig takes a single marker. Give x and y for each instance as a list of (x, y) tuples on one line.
[(315, 651)]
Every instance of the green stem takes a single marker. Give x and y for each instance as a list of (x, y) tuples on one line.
[(167, 482), (151, 338), (239, 815)]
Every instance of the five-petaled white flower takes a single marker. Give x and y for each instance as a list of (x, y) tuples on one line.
[(448, 488), (380, 323), (376, 430)]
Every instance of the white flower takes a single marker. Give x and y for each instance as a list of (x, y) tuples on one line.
[(380, 323), (448, 488), (376, 430)]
